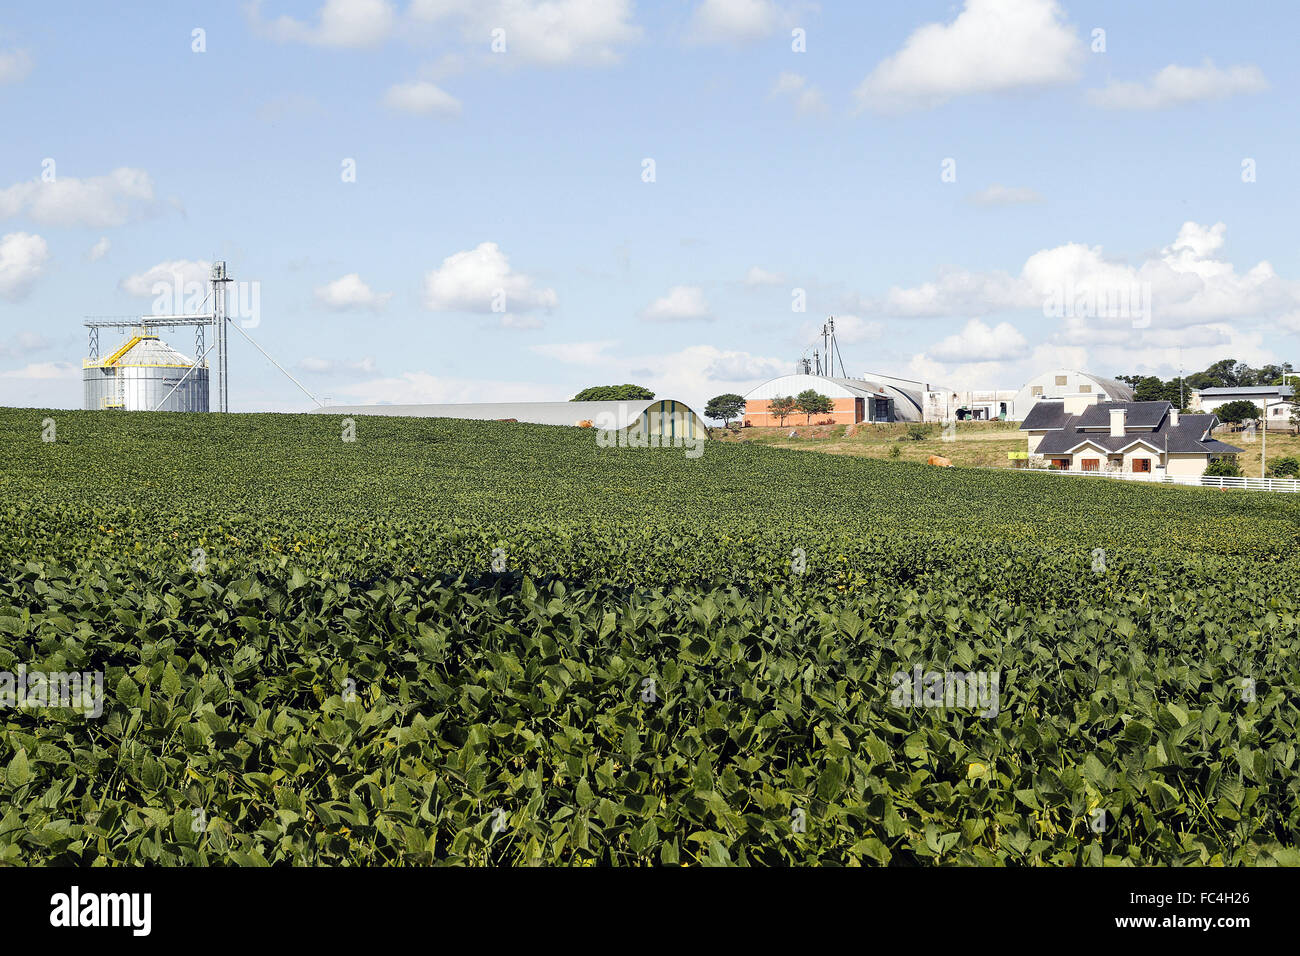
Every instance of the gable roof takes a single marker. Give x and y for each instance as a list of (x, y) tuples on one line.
[(1046, 414), (1136, 414), (1146, 423)]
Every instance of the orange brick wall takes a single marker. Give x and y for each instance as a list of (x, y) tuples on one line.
[(756, 413)]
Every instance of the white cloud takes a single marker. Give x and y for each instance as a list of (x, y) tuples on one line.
[(977, 342), (999, 195), (14, 66), (421, 97), (350, 293), (696, 373), (174, 274), (992, 46), (849, 330), (480, 280), (692, 375), (807, 99), (1188, 283), (546, 32), (734, 21), (576, 353), (100, 249), (24, 343), (44, 370), (757, 276), (1177, 85), (744, 367), (99, 201), (22, 259), (340, 23), (682, 303)]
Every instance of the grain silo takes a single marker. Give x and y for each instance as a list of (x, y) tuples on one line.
[(145, 374)]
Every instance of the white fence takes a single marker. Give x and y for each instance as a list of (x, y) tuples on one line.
[(1199, 481)]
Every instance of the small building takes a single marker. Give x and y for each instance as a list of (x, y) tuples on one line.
[(1060, 382), (661, 417), (1274, 402), (1081, 433), (853, 400), (970, 405)]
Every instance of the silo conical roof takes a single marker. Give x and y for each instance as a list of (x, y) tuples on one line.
[(152, 351)]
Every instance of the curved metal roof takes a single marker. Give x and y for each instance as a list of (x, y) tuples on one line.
[(623, 414), (146, 350)]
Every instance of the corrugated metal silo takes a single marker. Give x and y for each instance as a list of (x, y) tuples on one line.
[(141, 374)]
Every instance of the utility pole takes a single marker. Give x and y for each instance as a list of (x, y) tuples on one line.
[(1263, 452), (1182, 402)]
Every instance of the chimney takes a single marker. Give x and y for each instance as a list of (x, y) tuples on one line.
[(1076, 402), (1173, 418), (1117, 417)]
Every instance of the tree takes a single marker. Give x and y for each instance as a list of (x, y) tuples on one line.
[(614, 393), (781, 407), (1149, 389), (1225, 467), (1234, 413), (723, 408), (812, 402), (1288, 467)]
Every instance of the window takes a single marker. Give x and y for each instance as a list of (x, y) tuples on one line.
[(1091, 464), (1085, 388), (1036, 391), (1062, 463), (1060, 379), (1142, 464)]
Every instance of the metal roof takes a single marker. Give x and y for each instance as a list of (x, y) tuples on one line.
[(1136, 414), (1066, 432), (537, 413), (1282, 391), (141, 351)]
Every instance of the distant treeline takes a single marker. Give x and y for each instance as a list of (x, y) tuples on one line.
[(1227, 373)]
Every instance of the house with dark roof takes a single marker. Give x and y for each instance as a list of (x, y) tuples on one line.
[(1080, 433)]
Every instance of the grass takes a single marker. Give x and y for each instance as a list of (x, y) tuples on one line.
[(977, 444)]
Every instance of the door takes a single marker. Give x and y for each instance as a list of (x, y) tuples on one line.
[(859, 409)]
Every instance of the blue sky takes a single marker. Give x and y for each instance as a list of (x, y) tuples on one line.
[(516, 179)]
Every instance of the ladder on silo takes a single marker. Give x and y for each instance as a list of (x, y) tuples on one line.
[(118, 398)]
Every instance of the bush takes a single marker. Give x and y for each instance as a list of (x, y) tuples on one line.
[(1288, 467), (917, 433), (895, 452), (1223, 468)]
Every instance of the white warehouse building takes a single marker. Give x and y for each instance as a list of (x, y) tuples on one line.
[(1061, 382)]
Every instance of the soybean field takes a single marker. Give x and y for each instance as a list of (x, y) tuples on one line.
[(449, 642)]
